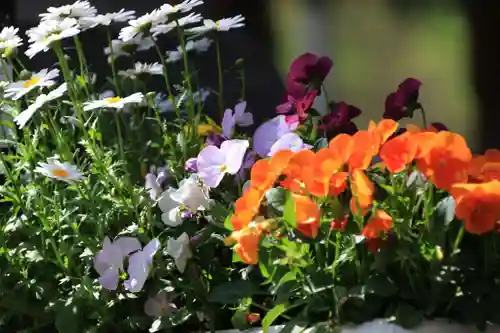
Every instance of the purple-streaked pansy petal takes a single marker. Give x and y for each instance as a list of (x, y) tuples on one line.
[(268, 133), (228, 123), (241, 117), (109, 279), (210, 163), (162, 176), (151, 185), (139, 266), (128, 245), (234, 151)]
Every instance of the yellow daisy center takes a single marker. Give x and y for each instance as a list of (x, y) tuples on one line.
[(113, 99), (60, 173), (31, 82)]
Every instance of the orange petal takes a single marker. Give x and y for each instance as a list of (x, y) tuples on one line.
[(386, 128), (398, 153), (307, 215), (362, 189), (338, 183), (380, 223), (342, 147)]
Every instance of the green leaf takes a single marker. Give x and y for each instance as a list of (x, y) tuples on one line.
[(407, 316), (272, 315), (239, 320), (236, 257), (68, 319), (380, 285), (231, 292), (446, 209), (174, 319), (320, 143), (276, 198), (227, 223), (289, 213)]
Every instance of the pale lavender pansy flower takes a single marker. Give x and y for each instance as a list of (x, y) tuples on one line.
[(139, 265), (239, 117), (190, 165), (154, 182), (291, 141), (248, 162), (268, 133), (160, 305), (214, 163), (109, 260)]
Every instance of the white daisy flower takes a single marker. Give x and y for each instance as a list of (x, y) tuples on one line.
[(114, 102), (80, 10), (107, 19), (47, 32), (26, 115), (165, 28), (9, 41), (141, 25), (183, 7), (198, 46), (143, 68), (44, 78), (121, 48), (224, 24), (61, 171)]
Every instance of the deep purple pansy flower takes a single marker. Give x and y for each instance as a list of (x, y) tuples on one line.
[(403, 102), (339, 120)]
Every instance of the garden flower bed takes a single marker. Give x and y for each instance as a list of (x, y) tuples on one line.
[(126, 209)]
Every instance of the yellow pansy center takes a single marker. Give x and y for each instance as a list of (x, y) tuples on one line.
[(113, 99), (217, 25), (60, 173), (31, 82), (223, 168)]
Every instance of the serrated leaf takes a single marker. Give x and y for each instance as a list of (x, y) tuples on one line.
[(272, 315), (289, 212), (380, 285), (231, 292)]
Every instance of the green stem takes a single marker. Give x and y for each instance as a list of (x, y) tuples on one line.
[(221, 86), (4, 70), (165, 76), (10, 177), (83, 64), (112, 62), (458, 240), (424, 117)]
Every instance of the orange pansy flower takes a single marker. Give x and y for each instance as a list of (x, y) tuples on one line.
[(397, 153), (265, 172), (318, 178), (307, 215), (365, 145), (298, 169), (362, 189), (385, 129), (341, 146), (485, 167), (378, 224), (478, 205), (246, 207), (447, 160)]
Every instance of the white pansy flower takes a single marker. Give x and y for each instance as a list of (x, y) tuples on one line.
[(107, 19), (171, 209), (143, 68), (180, 250), (61, 171), (224, 24), (78, 10), (9, 41), (121, 48), (113, 102), (141, 25), (198, 46), (183, 21), (183, 7), (47, 32), (26, 115), (43, 78)]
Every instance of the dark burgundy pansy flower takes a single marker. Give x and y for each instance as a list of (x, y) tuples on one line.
[(439, 127), (298, 107), (339, 120), (403, 102), (307, 71)]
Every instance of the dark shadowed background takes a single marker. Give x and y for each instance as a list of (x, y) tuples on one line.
[(449, 44)]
